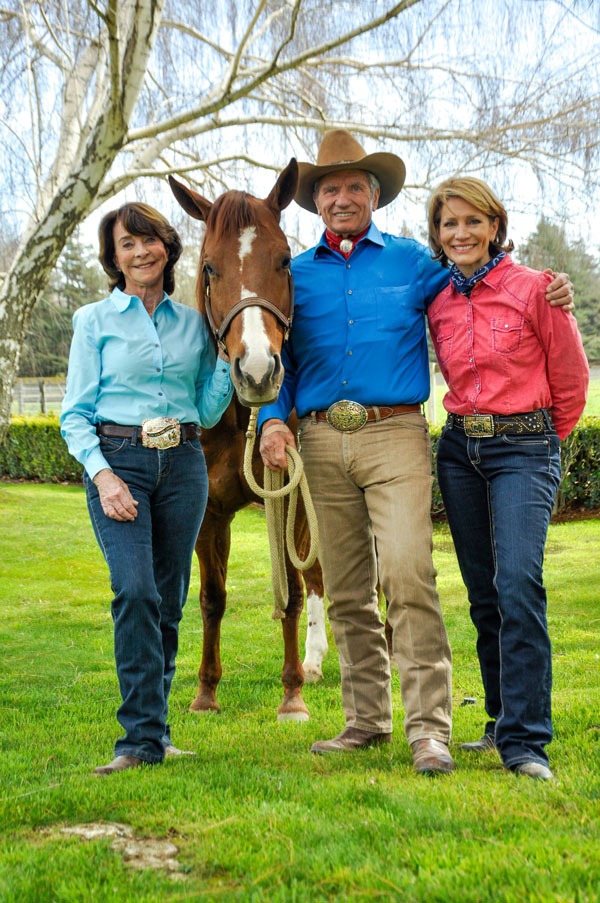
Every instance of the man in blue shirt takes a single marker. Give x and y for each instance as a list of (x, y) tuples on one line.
[(356, 370)]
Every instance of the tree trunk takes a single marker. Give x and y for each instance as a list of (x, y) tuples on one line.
[(132, 26)]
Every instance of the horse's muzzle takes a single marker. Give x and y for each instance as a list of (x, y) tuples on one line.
[(253, 389)]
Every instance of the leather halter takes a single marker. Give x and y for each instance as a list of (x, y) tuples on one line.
[(219, 332)]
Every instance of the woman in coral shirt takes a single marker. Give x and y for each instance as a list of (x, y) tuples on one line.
[(517, 377)]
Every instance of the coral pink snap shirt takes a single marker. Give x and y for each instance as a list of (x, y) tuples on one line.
[(505, 350)]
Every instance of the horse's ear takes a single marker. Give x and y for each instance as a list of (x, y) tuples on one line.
[(192, 202), (284, 189)]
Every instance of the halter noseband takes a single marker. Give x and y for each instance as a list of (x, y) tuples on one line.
[(220, 332)]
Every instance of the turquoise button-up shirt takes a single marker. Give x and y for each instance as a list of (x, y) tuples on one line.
[(126, 367), (359, 329)]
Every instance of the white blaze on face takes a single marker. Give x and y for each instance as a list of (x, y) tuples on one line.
[(254, 336), (247, 237)]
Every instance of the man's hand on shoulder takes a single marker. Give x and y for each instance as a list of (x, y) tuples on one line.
[(560, 291)]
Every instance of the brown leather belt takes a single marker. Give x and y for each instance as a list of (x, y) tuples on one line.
[(350, 416), (378, 413), (487, 425), (117, 431)]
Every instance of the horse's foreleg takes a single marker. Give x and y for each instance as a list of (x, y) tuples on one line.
[(292, 707), (212, 549)]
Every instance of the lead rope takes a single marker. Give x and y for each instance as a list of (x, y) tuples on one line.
[(281, 535)]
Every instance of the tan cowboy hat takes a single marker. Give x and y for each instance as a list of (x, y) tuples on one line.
[(339, 150)]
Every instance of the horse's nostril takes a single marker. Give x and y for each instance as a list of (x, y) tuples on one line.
[(236, 369)]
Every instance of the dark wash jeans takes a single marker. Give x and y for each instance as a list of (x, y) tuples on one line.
[(149, 561), (499, 493)]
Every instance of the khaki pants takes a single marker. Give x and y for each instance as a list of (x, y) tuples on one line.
[(372, 495)]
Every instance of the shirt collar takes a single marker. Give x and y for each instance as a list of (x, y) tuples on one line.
[(122, 300)]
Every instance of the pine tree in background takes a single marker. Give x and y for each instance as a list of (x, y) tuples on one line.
[(548, 247)]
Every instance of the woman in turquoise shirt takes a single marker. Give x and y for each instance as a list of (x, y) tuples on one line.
[(143, 377)]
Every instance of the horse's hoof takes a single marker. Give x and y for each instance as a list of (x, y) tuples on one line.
[(293, 716), (201, 707), (312, 673)]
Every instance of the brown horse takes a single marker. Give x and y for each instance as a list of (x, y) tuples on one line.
[(244, 287)]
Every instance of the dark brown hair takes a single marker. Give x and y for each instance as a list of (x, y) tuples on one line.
[(138, 219), (480, 196)]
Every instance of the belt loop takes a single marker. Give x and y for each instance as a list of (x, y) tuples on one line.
[(450, 421), (548, 418), (134, 436), (313, 416), (377, 413)]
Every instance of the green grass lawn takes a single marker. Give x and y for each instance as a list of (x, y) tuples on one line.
[(256, 817)]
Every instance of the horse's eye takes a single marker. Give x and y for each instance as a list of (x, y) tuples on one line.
[(285, 263), (208, 269)]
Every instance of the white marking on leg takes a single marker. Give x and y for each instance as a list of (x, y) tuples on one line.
[(316, 639)]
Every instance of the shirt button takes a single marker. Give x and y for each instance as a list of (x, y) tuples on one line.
[(344, 382), (349, 352), (349, 291), (351, 322)]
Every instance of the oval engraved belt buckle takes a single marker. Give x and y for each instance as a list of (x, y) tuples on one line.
[(346, 416), (161, 432)]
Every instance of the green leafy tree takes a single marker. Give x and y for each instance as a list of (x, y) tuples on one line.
[(547, 247)]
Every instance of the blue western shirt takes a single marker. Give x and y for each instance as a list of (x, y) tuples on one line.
[(126, 367), (359, 329)]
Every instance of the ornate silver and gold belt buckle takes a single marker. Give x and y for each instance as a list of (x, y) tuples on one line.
[(161, 432), (346, 416), (479, 425)]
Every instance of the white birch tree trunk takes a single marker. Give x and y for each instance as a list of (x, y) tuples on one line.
[(129, 34)]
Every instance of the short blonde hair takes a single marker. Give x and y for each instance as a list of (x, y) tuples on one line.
[(480, 196)]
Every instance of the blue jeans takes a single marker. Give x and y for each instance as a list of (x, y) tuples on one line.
[(499, 493), (149, 560)]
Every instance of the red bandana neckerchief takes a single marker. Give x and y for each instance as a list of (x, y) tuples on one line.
[(334, 240)]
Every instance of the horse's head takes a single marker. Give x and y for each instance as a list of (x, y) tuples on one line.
[(244, 281)]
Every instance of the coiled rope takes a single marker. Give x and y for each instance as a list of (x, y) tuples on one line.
[(280, 530)]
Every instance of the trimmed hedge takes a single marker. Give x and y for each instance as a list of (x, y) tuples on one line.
[(35, 450)]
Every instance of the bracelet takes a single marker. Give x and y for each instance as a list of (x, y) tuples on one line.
[(275, 428)]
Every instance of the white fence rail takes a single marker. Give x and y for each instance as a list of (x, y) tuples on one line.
[(44, 394), (38, 395)]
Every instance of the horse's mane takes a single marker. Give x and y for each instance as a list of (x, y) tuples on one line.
[(230, 213)]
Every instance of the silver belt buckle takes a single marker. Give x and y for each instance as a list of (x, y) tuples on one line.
[(479, 425), (161, 432), (346, 416)]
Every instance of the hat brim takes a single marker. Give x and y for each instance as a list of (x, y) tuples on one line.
[(388, 169)]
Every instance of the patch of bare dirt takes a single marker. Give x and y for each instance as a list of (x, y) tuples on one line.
[(137, 852)]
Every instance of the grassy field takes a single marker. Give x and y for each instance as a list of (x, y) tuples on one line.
[(254, 816)]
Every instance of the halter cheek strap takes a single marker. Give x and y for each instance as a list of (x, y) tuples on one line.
[(219, 332)]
